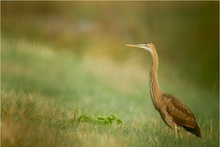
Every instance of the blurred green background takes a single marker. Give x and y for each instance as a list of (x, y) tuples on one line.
[(71, 56), (185, 33)]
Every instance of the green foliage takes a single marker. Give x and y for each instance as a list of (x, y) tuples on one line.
[(100, 120)]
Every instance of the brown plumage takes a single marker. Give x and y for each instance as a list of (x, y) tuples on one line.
[(173, 112)]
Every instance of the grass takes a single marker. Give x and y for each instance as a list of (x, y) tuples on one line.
[(53, 98)]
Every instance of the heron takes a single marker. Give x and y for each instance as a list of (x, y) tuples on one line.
[(174, 113)]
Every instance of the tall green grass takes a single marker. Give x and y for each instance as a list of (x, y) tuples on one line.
[(44, 92)]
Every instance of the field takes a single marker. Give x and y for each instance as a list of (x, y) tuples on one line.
[(54, 94)]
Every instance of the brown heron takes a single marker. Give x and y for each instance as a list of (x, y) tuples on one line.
[(173, 112)]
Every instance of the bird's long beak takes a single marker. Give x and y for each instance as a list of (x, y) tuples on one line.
[(136, 45)]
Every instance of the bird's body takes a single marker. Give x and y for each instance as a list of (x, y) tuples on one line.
[(173, 112)]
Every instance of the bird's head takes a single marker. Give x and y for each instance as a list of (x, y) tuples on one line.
[(147, 46)]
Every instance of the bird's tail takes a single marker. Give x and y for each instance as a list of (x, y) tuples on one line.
[(196, 131)]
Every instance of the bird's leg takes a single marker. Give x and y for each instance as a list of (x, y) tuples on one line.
[(180, 136), (177, 133)]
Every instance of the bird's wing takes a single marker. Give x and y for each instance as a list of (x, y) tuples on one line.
[(180, 113)]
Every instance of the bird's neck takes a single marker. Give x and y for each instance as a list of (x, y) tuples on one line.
[(154, 85)]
